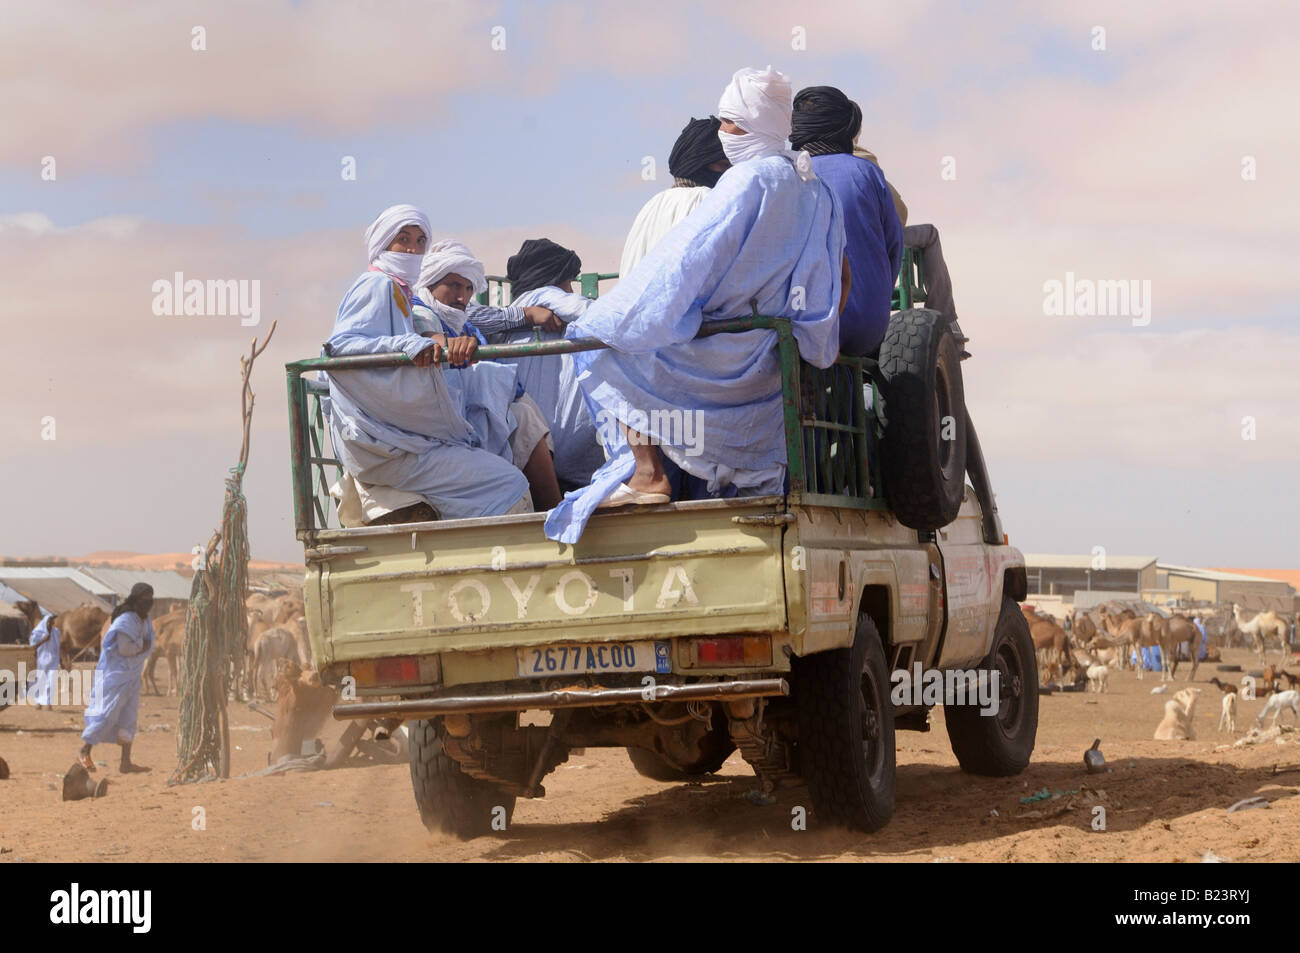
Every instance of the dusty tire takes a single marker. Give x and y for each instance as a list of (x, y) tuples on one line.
[(449, 799), (717, 747), (846, 732), (924, 474), (1000, 745)]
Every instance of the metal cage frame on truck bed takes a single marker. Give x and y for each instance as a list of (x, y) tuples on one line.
[(830, 430)]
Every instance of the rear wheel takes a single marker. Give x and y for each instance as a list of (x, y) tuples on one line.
[(846, 732), (999, 745), (449, 799)]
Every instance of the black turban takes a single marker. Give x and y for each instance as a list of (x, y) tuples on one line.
[(695, 150), (132, 603), (538, 263), (824, 121)]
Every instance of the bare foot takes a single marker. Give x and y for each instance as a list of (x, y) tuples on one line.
[(649, 483), (129, 768)]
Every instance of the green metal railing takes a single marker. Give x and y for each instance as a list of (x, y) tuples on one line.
[(829, 429), (910, 287), (498, 289)]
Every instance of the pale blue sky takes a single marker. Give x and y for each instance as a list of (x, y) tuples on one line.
[(1115, 163)]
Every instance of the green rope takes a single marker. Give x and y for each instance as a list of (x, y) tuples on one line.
[(216, 639)]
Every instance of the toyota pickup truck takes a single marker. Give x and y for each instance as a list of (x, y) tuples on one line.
[(686, 631)]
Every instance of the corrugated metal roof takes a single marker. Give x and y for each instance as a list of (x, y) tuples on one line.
[(57, 595), (1214, 575), (167, 583), (91, 585), (1052, 561), (11, 596)]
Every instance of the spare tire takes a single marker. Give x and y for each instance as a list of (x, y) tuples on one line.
[(923, 447)]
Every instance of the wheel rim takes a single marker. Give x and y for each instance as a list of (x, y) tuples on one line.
[(1011, 689), (873, 751)]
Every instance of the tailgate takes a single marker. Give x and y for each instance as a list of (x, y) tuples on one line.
[(694, 568)]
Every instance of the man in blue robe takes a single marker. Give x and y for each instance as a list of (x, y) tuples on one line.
[(400, 427), (45, 640), (541, 275), (770, 235), (824, 124), (115, 697), (491, 396)]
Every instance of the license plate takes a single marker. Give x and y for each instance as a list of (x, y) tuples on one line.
[(543, 660)]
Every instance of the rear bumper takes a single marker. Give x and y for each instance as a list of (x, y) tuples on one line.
[(564, 698)]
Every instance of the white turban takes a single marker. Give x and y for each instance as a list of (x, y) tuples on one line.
[(451, 258), (392, 220), (760, 102)]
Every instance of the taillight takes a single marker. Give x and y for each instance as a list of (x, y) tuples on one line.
[(402, 670), (731, 650)]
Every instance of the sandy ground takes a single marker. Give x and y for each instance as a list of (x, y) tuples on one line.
[(1165, 801)]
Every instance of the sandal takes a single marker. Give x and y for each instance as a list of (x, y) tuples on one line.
[(85, 761), (625, 496)]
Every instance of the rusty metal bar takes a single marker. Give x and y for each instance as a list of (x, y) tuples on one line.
[(564, 698)]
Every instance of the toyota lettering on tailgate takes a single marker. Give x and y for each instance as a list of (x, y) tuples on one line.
[(470, 599)]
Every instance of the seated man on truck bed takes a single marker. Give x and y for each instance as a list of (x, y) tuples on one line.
[(398, 426), (541, 274), (770, 233), (490, 394), (824, 124), (696, 163)]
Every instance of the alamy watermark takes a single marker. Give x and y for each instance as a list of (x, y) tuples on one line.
[(78, 688), (1084, 297), (675, 427), (929, 687), (216, 297)]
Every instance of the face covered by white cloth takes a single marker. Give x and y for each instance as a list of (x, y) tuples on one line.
[(403, 266), (760, 102), (451, 258)]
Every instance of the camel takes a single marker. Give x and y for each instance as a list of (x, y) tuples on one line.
[(1155, 632), (31, 611), (263, 605), (169, 640), (286, 609), (1219, 624), (80, 629), (1261, 628), (275, 644), (302, 708), (1183, 629), (1084, 627), (1051, 642), (1125, 632), (1179, 723), (298, 626)]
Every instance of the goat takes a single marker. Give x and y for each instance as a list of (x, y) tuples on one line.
[(1278, 701), (1229, 715)]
